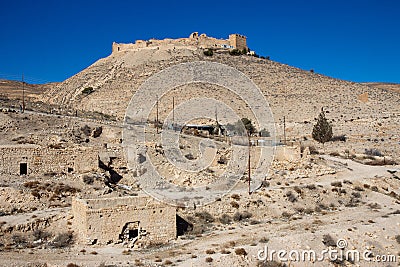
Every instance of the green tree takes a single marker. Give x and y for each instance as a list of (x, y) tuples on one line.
[(241, 127), (322, 131), (248, 125)]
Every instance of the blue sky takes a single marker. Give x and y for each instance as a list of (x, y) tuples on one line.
[(352, 40)]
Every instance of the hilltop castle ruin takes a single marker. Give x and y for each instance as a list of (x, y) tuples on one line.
[(235, 41)]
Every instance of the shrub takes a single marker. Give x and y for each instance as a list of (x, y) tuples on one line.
[(328, 240), (35, 193), (239, 216), (209, 259), (235, 196), (336, 184), (358, 188), (240, 251), (265, 184), (339, 138), (41, 235), (19, 241), (311, 186), (189, 156), (313, 150), (167, 262), (32, 184), (373, 152), (374, 206), (86, 130), (205, 216), (225, 219), (88, 179), (235, 52), (225, 251), (210, 251), (291, 197), (297, 190), (87, 91), (72, 265), (208, 53), (397, 237), (264, 240), (63, 240), (234, 204), (374, 188), (308, 211)]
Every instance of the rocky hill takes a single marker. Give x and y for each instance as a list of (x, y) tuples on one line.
[(367, 114), (13, 89)]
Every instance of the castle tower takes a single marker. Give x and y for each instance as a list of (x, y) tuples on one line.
[(237, 41)]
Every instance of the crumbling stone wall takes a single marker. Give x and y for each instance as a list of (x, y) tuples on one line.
[(41, 160), (102, 221), (203, 41)]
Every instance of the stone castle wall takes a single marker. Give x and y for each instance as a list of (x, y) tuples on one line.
[(238, 41), (202, 41), (102, 221), (41, 160)]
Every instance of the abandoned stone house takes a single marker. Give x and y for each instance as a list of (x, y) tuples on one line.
[(123, 219), (30, 159)]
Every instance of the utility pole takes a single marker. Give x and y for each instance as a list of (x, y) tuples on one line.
[(249, 170), (23, 94), (173, 112), (216, 119), (157, 114), (284, 130)]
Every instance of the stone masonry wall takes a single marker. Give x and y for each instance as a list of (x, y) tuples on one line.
[(41, 160), (203, 41), (238, 41), (103, 220)]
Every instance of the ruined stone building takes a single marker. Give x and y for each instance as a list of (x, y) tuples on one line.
[(27, 159), (138, 219), (202, 41)]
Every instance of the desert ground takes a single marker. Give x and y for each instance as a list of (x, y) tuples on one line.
[(313, 194)]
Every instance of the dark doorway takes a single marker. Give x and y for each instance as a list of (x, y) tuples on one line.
[(23, 168), (130, 232), (133, 233), (182, 226)]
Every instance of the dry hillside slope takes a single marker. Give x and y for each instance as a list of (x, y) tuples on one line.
[(294, 93)]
